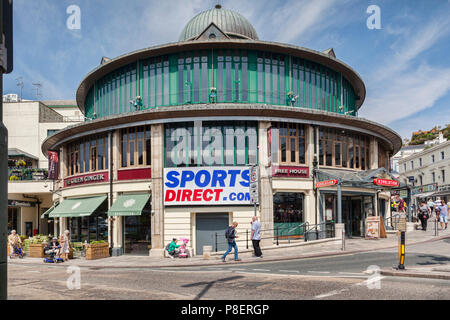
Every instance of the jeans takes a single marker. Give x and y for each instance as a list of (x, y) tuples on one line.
[(230, 247)]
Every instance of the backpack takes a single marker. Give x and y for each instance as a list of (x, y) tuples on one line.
[(228, 232), (167, 247)]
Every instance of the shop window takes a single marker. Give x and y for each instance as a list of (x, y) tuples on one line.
[(288, 207), (135, 147)]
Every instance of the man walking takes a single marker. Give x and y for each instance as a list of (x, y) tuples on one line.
[(230, 234), (256, 236), (443, 214)]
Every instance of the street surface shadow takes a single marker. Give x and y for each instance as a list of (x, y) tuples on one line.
[(209, 284), (433, 260)]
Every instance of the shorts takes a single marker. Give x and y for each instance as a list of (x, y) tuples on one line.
[(443, 218)]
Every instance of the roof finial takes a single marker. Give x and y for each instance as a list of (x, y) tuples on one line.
[(218, 5)]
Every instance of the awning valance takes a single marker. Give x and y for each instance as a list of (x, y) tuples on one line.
[(49, 210), (80, 207), (129, 205)]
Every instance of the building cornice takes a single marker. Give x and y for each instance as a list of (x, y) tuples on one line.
[(224, 110)]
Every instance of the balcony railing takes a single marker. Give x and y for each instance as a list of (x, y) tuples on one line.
[(27, 174)]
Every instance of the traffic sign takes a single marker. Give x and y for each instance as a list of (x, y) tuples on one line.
[(253, 187)]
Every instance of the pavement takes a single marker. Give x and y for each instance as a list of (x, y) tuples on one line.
[(282, 252)]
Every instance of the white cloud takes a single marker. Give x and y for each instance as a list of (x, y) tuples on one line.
[(405, 83), (407, 93)]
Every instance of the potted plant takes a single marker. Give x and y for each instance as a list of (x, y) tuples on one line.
[(36, 245), (97, 250)]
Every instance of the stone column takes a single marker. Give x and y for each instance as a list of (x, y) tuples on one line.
[(116, 222), (373, 153), (265, 185), (157, 219)]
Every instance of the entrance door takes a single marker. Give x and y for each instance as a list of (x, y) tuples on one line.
[(207, 224), (352, 215), (137, 234)]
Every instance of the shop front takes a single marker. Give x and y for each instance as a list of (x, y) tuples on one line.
[(134, 211), (86, 218), (360, 197)]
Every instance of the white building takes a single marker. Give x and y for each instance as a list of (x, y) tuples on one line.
[(428, 171), (29, 123), (404, 152)]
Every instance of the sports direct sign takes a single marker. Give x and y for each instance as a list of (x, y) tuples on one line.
[(206, 186)]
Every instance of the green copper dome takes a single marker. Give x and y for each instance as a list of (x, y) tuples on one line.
[(230, 22)]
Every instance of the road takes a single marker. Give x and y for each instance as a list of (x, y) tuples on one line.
[(336, 277)]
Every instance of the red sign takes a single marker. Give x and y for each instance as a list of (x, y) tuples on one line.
[(134, 174), (290, 172), (326, 183), (386, 182), (86, 179)]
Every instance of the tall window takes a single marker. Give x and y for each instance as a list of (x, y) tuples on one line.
[(135, 147), (292, 143), (88, 155)]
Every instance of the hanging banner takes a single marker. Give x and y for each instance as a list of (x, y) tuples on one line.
[(53, 165)]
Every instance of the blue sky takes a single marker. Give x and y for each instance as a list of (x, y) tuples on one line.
[(405, 64)]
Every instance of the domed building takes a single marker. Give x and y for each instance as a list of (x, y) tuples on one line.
[(183, 138)]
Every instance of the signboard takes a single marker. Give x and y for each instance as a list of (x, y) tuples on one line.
[(290, 171), (424, 189), (411, 178), (386, 182), (326, 183), (375, 228), (86, 179), (20, 203), (53, 165), (254, 190), (206, 186)]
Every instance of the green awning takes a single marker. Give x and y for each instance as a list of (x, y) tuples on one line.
[(129, 205), (49, 210), (80, 207)]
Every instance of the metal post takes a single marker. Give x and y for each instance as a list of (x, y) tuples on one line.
[(339, 202), (401, 251), (277, 237), (246, 237), (216, 241), (343, 239)]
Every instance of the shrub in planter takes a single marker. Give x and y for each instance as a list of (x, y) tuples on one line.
[(97, 250), (34, 246)]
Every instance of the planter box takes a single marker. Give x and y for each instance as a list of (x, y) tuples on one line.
[(36, 250), (97, 251)]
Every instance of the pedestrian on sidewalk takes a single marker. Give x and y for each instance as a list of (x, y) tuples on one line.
[(230, 235), (443, 214), (424, 214), (256, 236)]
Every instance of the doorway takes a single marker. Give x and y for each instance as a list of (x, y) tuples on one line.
[(137, 234), (207, 225), (352, 216)]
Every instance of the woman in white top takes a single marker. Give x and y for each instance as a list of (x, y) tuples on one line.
[(65, 245)]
